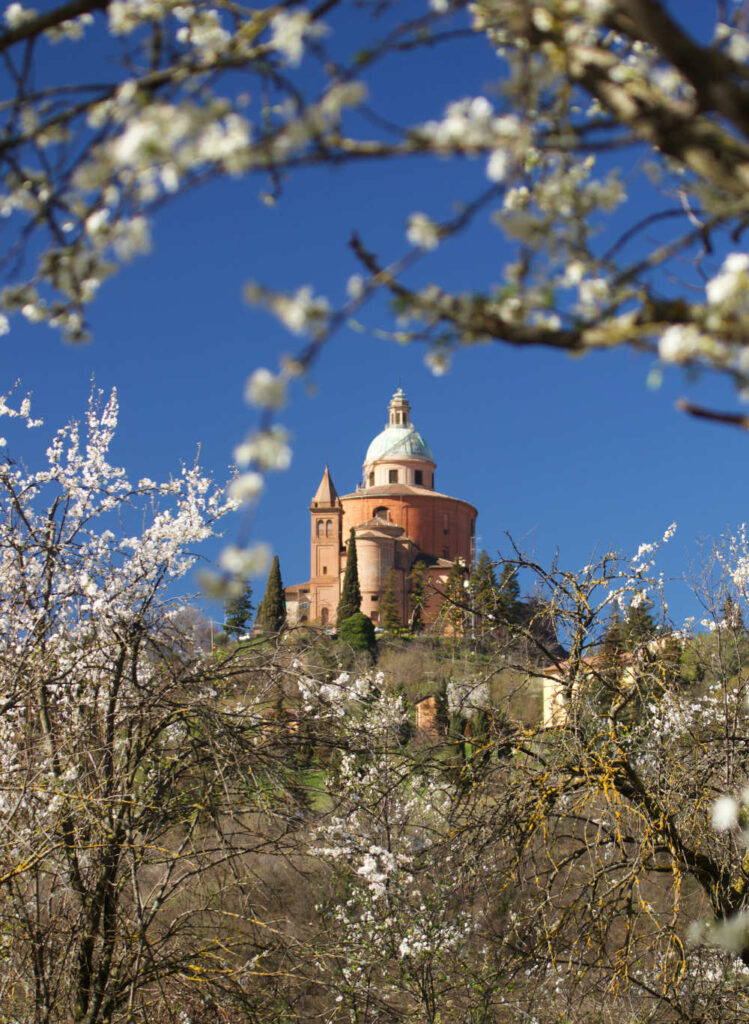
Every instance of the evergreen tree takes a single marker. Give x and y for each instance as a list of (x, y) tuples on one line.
[(484, 592), (389, 615), (272, 611), (613, 641), (358, 632), (417, 579), (480, 740), (508, 601), (238, 613), (639, 626), (350, 602)]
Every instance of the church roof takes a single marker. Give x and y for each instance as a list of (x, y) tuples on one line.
[(399, 442), (326, 493), (394, 490), (380, 527)]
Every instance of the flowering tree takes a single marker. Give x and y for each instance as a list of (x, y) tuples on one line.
[(591, 870), (88, 155), (628, 845), (117, 757), (153, 797), (612, 165)]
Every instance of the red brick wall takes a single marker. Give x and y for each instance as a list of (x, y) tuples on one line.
[(425, 518)]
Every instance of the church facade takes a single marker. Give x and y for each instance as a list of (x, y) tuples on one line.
[(398, 519)]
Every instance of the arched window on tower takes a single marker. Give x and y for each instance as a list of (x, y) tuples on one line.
[(324, 617), (380, 513), (319, 527), (371, 479), (328, 528)]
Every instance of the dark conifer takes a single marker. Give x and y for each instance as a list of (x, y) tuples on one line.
[(389, 615), (508, 600), (484, 593), (417, 579), (350, 602), (238, 613), (358, 632), (639, 626), (272, 611)]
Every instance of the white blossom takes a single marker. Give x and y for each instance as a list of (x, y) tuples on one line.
[(725, 813), (730, 280), (679, 343), (246, 487), (422, 232), (267, 449), (249, 561), (16, 15), (265, 389), (289, 30), (498, 165)]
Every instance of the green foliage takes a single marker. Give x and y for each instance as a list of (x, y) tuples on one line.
[(271, 614), (508, 601), (417, 579), (494, 604), (639, 626), (481, 747), (238, 613), (455, 609), (389, 615), (484, 592), (358, 632), (350, 602), (628, 634)]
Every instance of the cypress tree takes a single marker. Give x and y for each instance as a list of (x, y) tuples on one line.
[(238, 613), (350, 602), (417, 579), (272, 611), (389, 617)]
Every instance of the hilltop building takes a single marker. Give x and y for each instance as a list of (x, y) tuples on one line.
[(398, 518)]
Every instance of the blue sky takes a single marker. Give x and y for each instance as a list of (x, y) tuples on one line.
[(574, 454)]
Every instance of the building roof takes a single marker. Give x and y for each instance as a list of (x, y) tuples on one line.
[(396, 490), (399, 442), (326, 494)]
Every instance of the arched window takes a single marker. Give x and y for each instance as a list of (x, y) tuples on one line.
[(371, 479), (319, 527), (328, 528), (380, 513), (324, 616)]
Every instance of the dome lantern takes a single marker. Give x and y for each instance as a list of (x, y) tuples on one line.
[(399, 409), (399, 454)]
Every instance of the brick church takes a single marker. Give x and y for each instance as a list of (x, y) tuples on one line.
[(398, 518)]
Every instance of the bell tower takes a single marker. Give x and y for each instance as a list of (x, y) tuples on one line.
[(326, 514)]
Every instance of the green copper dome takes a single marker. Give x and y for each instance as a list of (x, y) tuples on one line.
[(398, 442)]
